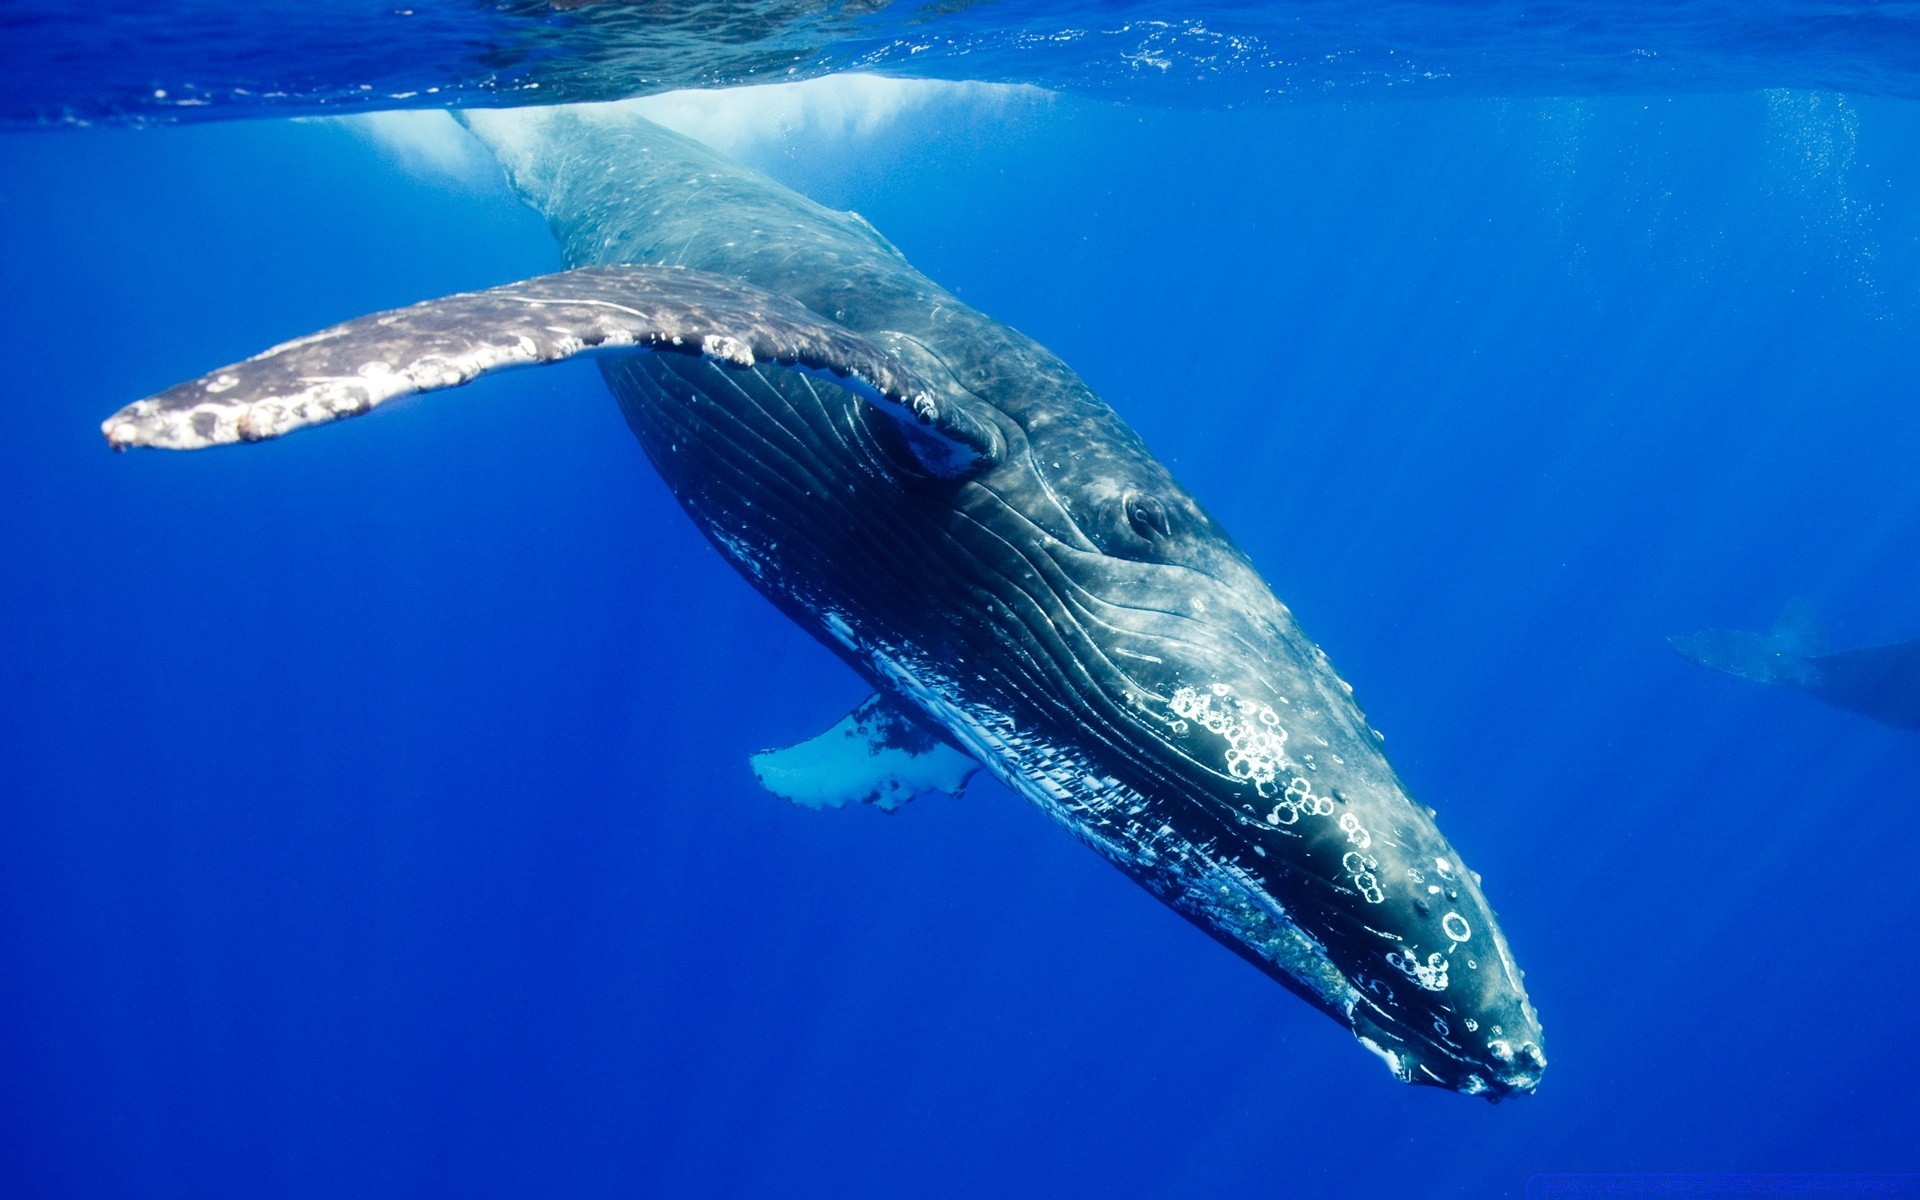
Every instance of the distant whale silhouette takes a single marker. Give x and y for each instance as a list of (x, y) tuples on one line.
[(1882, 682)]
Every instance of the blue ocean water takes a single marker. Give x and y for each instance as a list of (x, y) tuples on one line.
[(377, 819)]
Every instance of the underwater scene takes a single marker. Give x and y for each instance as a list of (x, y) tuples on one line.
[(999, 599)]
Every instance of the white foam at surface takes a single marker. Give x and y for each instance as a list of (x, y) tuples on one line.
[(742, 122), (426, 143), (739, 121)]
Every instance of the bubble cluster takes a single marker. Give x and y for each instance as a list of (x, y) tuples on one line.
[(1256, 744)]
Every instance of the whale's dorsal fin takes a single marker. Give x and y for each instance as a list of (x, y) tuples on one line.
[(355, 367), (876, 755), (1799, 630)]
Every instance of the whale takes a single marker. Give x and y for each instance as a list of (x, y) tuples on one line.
[(947, 506), (1882, 682)]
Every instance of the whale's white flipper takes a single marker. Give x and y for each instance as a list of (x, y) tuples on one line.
[(875, 755), (357, 366)]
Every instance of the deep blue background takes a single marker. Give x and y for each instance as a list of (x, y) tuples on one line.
[(376, 816)]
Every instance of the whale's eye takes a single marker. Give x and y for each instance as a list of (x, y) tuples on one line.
[(906, 450), (1148, 516)]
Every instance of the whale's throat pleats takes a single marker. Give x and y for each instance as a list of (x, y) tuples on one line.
[(794, 482), (938, 591)]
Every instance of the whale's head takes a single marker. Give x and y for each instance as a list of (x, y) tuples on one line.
[(1210, 749), (1046, 593)]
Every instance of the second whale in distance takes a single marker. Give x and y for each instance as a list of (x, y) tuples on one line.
[(1882, 682)]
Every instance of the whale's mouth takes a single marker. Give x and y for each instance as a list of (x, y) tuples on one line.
[(1509, 1065), (1522, 1074), (1495, 1082)]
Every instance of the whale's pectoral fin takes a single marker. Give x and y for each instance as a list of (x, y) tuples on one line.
[(876, 755), (355, 367)]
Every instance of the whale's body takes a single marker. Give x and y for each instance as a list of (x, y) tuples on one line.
[(945, 504)]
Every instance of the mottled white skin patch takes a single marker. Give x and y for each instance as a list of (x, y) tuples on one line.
[(874, 755)]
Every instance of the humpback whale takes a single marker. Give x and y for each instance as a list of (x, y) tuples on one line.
[(943, 503), (1882, 682)]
